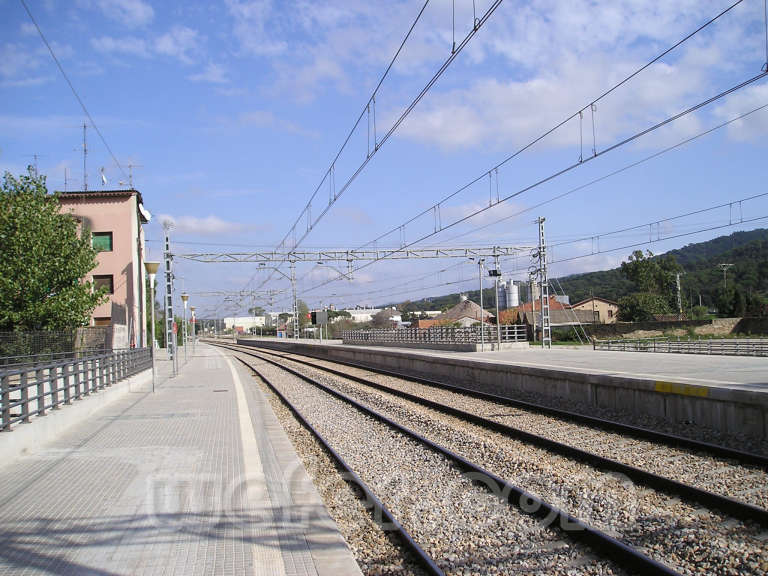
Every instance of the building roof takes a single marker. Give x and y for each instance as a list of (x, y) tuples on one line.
[(588, 300), (79, 194), (464, 309), (553, 305)]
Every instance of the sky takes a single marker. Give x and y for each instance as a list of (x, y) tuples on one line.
[(231, 114)]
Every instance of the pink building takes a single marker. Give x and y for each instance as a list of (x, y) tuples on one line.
[(114, 218)]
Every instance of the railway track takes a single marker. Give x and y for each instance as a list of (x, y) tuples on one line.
[(737, 547), (721, 480)]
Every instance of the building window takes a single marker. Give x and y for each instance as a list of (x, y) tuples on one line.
[(102, 321), (104, 281), (610, 313), (102, 241)]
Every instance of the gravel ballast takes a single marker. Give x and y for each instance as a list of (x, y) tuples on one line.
[(685, 536), (465, 528)]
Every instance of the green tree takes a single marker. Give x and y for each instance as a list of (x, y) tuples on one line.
[(256, 311), (303, 312), (653, 278), (44, 260), (642, 306)]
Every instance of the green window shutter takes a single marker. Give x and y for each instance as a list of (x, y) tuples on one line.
[(102, 241)]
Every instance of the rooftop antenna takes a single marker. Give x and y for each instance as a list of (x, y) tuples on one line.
[(130, 174), (35, 157), (85, 155)]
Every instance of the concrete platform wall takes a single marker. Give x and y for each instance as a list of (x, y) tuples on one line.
[(733, 412)]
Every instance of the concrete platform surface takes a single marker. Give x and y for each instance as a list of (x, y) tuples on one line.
[(197, 478), (735, 372)]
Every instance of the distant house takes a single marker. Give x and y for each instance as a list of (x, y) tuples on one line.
[(604, 310), (465, 313), (114, 219)]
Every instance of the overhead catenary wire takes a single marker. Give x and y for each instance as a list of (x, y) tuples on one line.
[(565, 170), (72, 88), (548, 132), (610, 174), (378, 143)]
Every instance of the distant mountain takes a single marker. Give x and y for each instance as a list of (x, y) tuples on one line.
[(747, 251)]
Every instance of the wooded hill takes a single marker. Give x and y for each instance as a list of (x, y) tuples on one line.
[(747, 251)]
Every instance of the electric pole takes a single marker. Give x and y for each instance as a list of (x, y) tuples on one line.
[(724, 268), (546, 330)]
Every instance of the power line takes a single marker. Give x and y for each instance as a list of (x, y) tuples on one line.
[(330, 174), (591, 106), (562, 171), (611, 174), (71, 87)]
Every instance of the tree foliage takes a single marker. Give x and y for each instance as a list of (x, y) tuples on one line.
[(655, 285), (642, 306), (44, 260), (256, 311)]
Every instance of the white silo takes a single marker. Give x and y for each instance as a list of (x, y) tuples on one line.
[(513, 294)]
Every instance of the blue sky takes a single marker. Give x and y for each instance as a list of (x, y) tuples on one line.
[(233, 111)]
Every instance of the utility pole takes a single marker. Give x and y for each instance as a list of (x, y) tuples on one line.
[(295, 302), (546, 331), (679, 298), (170, 337), (496, 273), (724, 268)]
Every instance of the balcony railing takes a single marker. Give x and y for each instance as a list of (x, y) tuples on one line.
[(33, 390)]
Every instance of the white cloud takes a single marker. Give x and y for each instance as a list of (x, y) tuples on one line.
[(128, 12), (213, 74), (125, 46), (754, 127), (252, 29), (15, 59), (180, 42), (28, 29), (208, 226)]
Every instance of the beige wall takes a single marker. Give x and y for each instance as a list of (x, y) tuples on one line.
[(119, 215), (606, 311)]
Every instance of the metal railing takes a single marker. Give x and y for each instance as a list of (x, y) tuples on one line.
[(725, 347), (436, 335), (34, 390)]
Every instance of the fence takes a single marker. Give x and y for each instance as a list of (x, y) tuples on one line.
[(729, 347), (17, 348), (436, 335), (33, 390)]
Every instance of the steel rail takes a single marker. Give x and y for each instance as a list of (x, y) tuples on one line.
[(352, 478), (613, 425), (727, 505), (625, 555)]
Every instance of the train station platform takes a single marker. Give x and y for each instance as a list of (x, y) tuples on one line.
[(728, 394), (195, 478)]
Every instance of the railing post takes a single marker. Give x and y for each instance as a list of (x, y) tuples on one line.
[(24, 396), (65, 377), (77, 375), (53, 386), (5, 394), (40, 392), (101, 371)]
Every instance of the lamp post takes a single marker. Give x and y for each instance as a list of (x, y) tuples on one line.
[(151, 268), (194, 329), (184, 298)]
